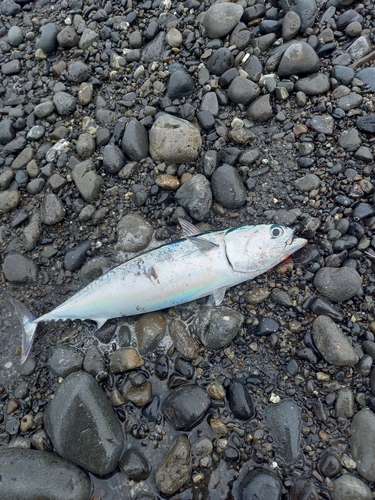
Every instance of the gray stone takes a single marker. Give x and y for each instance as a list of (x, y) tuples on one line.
[(83, 426), (19, 270), (348, 487), (135, 141), (221, 18), (60, 147), (220, 61), (87, 181), (180, 84), (339, 284), (113, 159), (306, 9), (343, 74), (322, 124), (362, 443), (243, 91), (174, 140), (135, 465), (196, 197), (350, 101), (175, 469), (15, 36), (349, 139), (43, 109), (52, 209), (299, 58), (9, 199), (227, 187), (182, 339), (253, 67), (68, 37), (367, 76), (78, 72), (65, 103), (88, 38), (10, 8), (134, 233), (24, 157), (85, 145), (11, 68), (36, 133), (307, 183), (48, 39), (32, 231), (210, 103), (344, 405), (150, 331), (65, 360), (260, 110), (315, 84), (332, 343), (359, 48), (154, 50), (291, 25), (7, 132), (41, 474), (217, 327), (364, 153)]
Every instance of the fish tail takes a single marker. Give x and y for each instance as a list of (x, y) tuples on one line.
[(28, 325)]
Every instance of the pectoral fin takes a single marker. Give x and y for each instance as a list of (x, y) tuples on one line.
[(217, 296), (202, 244)]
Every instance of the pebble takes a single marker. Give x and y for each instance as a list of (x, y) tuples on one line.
[(19, 269), (195, 196), (87, 181), (243, 91), (182, 340), (113, 159), (175, 469), (9, 200), (150, 330), (135, 141), (299, 58), (125, 359), (337, 285), (260, 110), (221, 18), (66, 420), (362, 434), (64, 103), (52, 210), (227, 187), (48, 38), (347, 487), (134, 233), (240, 400), (186, 406), (258, 483), (135, 465), (65, 360), (217, 327), (332, 343)]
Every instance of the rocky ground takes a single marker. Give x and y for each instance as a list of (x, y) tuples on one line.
[(117, 118)]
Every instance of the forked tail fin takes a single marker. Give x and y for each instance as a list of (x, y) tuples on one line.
[(28, 325)]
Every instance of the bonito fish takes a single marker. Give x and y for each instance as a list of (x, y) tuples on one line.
[(196, 266)]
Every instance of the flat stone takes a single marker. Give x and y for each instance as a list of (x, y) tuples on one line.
[(260, 110), (228, 188), (175, 469), (11, 68), (291, 25), (307, 183), (196, 197), (82, 425), (243, 91), (23, 158), (41, 474), (349, 139), (322, 124), (48, 39), (7, 132), (9, 200), (359, 48), (19, 270), (221, 18), (367, 76)]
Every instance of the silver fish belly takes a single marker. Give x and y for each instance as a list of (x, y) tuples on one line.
[(196, 266)]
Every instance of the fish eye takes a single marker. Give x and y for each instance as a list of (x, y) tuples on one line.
[(276, 231)]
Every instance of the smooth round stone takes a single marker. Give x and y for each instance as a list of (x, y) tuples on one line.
[(65, 360), (135, 141), (306, 9), (266, 327), (348, 487), (182, 340), (322, 306), (307, 183), (87, 181), (134, 233), (329, 465), (337, 285), (345, 404), (135, 465), (332, 343), (367, 76), (240, 400), (85, 145), (150, 330), (175, 469), (186, 406), (243, 91), (125, 359), (304, 489), (253, 12), (36, 132), (68, 38), (65, 103), (260, 110), (361, 441), (259, 483), (11, 68), (44, 109), (299, 58), (75, 257), (48, 39), (221, 18), (291, 25), (206, 120), (343, 74), (220, 61), (15, 36), (35, 186), (363, 211), (210, 103), (195, 197), (7, 132), (180, 84), (315, 84), (227, 187), (78, 72), (19, 270), (217, 327), (52, 209), (113, 159), (349, 16), (10, 8)]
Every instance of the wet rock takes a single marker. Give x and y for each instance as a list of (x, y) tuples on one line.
[(240, 400), (227, 187), (83, 426), (52, 210), (87, 181), (196, 197), (329, 465), (135, 141), (48, 39), (134, 233), (125, 359), (65, 103), (361, 442), (9, 200), (332, 343), (65, 360), (337, 285), (19, 269), (303, 489), (348, 487), (284, 421), (217, 327), (260, 110), (174, 140), (221, 18), (175, 469), (299, 58), (258, 483), (41, 474), (94, 363), (182, 340), (135, 465), (323, 307), (150, 330), (186, 406)]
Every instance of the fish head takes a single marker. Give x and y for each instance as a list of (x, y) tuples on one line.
[(255, 249)]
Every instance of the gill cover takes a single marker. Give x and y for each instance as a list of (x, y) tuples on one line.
[(255, 248)]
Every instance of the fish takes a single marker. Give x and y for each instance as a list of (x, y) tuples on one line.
[(196, 266)]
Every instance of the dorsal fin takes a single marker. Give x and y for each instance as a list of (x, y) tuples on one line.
[(187, 228)]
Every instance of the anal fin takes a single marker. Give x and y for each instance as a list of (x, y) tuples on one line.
[(217, 296)]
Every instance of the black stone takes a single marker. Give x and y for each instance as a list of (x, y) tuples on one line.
[(220, 61), (240, 400), (186, 406), (75, 258), (135, 465), (323, 306), (206, 120), (266, 327), (180, 84), (363, 211), (366, 123)]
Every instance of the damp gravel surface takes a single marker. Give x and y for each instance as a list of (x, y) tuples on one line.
[(119, 117)]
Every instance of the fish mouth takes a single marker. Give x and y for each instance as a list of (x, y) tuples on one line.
[(294, 243)]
